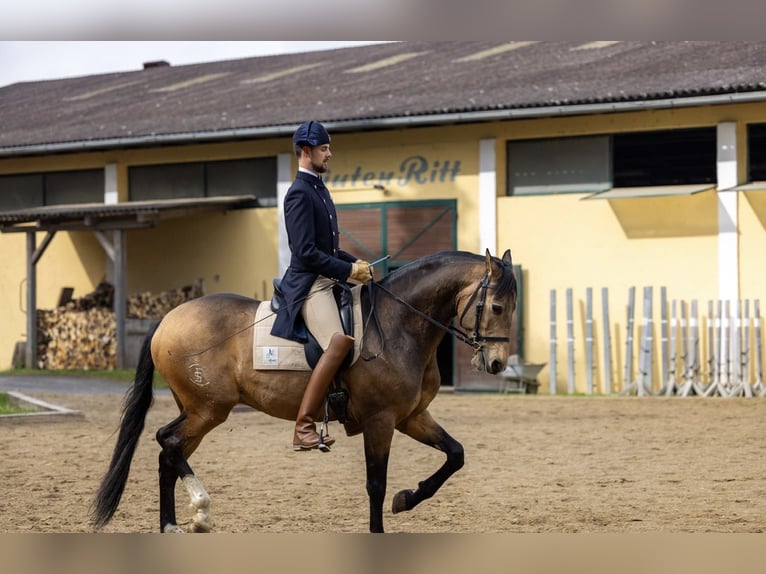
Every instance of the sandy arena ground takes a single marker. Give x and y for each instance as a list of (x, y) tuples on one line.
[(534, 464)]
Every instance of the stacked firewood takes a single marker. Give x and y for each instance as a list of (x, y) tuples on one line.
[(81, 334)]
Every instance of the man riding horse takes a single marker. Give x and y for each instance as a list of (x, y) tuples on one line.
[(316, 264)]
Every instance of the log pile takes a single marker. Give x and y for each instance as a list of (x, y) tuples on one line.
[(81, 334)]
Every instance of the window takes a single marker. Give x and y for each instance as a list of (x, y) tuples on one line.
[(595, 164), (667, 157), (563, 165), (255, 176), (25, 191), (756, 148)]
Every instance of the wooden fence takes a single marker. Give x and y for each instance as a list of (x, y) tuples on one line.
[(675, 349)]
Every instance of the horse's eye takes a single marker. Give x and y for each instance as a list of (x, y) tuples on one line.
[(497, 309)]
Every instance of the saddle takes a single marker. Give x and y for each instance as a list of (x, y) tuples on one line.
[(337, 396)]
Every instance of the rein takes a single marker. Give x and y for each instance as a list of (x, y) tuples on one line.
[(475, 340)]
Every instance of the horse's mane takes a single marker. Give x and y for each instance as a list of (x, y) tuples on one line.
[(506, 284)]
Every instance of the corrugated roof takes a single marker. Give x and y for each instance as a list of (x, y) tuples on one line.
[(421, 80), (94, 215)]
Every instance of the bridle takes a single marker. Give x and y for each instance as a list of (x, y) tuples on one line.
[(476, 340)]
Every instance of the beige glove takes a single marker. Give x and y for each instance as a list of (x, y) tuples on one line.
[(360, 271)]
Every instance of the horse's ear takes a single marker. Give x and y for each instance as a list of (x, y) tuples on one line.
[(507, 257), (488, 259)]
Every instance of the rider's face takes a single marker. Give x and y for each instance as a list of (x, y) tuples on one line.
[(319, 157)]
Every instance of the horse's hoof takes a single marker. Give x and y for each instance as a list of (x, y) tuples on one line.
[(173, 529), (402, 501)]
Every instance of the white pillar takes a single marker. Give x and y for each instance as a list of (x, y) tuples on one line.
[(728, 245), (110, 184), (487, 196), (284, 180)]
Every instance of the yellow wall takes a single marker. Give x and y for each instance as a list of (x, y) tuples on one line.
[(71, 260), (561, 241), (231, 252), (447, 169)]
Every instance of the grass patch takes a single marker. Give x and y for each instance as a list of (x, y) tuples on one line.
[(125, 375), (10, 407), (120, 375)]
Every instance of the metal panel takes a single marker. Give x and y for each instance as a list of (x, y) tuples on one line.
[(561, 165), (650, 191)]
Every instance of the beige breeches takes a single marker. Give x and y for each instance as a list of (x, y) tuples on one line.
[(320, 312)]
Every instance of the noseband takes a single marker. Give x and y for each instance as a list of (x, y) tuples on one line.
[(476, 340)]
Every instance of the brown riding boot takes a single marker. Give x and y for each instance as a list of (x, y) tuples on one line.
[(306, 436)]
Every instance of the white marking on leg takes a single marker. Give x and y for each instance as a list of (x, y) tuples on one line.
[(200, 502)]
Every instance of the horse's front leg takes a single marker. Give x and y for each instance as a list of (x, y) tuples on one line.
[(423, 428), (378, 433)]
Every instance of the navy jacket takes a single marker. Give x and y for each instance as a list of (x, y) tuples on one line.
[(312, 233)]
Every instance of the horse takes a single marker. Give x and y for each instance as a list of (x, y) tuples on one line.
[(203, 349)]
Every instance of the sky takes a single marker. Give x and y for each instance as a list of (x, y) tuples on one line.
[(25, 61)]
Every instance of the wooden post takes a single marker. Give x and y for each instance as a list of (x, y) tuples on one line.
[(570, 343), (31, 354), (711, 358), (665, 370), (670, 386), (589, 366), (607, 342), (759, 388), (120, 298), (629, 339), (552, 361), (33, 256)]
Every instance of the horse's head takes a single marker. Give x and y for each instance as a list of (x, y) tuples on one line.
[(486, 311)]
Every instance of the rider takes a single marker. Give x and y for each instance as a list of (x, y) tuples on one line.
[(316, 264)]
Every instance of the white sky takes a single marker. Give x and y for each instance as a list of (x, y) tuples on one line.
[(32, 61)]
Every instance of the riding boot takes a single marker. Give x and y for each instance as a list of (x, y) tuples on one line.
[(305, 436)]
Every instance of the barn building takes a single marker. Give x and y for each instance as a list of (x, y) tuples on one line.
[(601, 165)]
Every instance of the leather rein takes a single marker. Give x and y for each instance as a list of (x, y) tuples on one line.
[(475, 340)]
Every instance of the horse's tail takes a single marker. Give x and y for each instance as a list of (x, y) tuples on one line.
[(135, 406)]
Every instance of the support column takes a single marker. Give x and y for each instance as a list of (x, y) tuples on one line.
[(487, 196), (284, 180), (111, 195), (120, 299), (31, 352), (33, 256), (728, 241)]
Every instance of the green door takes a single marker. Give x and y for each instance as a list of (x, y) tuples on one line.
[(406, 231)]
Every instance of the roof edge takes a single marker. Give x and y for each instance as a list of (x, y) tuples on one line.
[(384, 123)]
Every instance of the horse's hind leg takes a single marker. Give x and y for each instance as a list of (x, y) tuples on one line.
[(178, 440), (423, 428)]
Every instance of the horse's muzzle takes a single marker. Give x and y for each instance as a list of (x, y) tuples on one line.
[(493, 367)]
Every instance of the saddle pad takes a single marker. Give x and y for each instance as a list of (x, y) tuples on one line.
[(272, 353)]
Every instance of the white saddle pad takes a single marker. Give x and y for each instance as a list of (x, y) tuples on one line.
[(275, 353)]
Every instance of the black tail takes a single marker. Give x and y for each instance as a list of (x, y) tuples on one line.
[(135, 406)]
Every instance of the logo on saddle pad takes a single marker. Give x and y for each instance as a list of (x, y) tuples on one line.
[(275, 353)]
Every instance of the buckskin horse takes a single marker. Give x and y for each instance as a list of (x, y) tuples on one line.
[(413, 308)]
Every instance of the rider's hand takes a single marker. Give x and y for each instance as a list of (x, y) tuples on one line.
[(361, 271)]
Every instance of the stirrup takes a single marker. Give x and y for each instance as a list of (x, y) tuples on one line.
[(322, 446)]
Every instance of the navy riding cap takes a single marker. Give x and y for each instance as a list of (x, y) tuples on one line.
[(311, 134)]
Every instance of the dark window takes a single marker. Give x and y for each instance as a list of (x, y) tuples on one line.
[(69, 187), (169, 181), (558, 165), (254, 176), (21, 191), (756, 152), (666, 157), (24, 191)]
